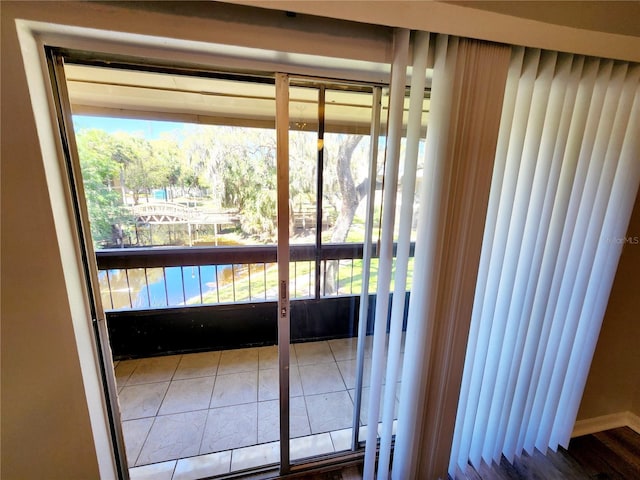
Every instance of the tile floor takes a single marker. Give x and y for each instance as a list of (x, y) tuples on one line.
[(203, 414)]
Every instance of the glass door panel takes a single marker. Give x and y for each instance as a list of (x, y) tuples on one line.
[(353, 176), (334, 132), (180, 181), (179, 177), (303, 189)]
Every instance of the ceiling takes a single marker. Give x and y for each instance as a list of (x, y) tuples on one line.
[(116, 92)]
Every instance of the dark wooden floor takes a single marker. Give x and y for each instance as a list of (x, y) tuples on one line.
[(610, 455)]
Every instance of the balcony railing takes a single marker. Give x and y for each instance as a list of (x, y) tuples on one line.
[(138, 278), (178, 300)]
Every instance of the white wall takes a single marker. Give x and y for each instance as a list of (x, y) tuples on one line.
[(46, 431)]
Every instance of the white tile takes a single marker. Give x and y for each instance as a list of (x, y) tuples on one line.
[(269, 385), (313, 352), (364, 409), (363, 434), (341, 439), (156, 369), (298, 418), (268, 357), (344, 348), (173, 436), (157, 471), (203, 466), (329, 411), (139, 401), (239, 360), (348, 369), (187, 395), (394, 426), (321, 378), (368, 346), (235, 389), (269, 419), (310, 446), (230, 427), (255, 456), (123, 371), (197, 365), (135, 433)]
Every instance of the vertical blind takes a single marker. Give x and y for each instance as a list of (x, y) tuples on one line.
[(532, 165), (464, 117), (394, 134), (566, 173), (466, 97)]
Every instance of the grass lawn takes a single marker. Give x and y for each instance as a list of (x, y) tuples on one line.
[(259, 282)]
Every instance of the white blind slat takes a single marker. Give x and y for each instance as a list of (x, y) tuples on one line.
[(396, 104), (569, 177), (544, 297), (468, 401), (575, 241), (418, 83), (510, 293), (564, 223), (597, 269), (515, 435), (534, 230), (491, 335), (418, 329)]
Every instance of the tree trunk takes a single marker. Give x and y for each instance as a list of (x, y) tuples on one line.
[(351, 195)]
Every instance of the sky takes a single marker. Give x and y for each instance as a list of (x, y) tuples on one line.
[(150, 129)]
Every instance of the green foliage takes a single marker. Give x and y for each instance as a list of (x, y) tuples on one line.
[(145, 167), (100, 175), (119, 169), (240, 165), (224, 168)]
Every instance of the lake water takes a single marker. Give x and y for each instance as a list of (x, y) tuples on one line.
[(179, 284), (176, 286)]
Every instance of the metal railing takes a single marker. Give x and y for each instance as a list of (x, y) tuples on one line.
[(148, 278)]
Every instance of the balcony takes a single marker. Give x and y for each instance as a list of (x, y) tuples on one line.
[(193, 330), (197, 375), (217, 412)]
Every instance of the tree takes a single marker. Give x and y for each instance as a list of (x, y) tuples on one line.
[(143, 170), (350, 196), (168, 155), (240, 165), (100, 174)]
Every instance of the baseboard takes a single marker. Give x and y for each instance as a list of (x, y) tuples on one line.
[(633, 422), (606, 422)]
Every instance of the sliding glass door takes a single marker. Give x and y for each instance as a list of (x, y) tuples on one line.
[(330, 152), (229, 223)]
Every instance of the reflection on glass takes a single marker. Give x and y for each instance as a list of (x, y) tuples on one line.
[(303, 161)]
